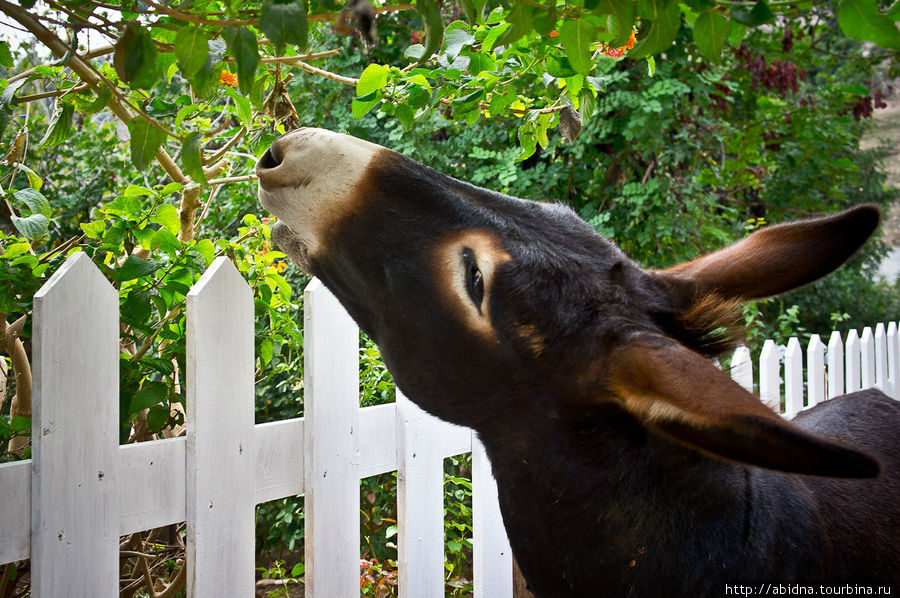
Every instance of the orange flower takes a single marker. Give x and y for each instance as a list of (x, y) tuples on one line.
[(229, 79), (631, 40), (553, 34)]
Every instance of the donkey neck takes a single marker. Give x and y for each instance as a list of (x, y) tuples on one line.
[(610, 505)]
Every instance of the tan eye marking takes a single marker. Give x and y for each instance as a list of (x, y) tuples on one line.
[(465, 263)]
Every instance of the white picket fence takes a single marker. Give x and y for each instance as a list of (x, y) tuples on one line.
[(66, 508)]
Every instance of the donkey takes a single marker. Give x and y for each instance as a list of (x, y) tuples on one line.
[(627, 464)]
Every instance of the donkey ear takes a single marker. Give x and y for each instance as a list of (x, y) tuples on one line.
[(774, 259), (676, 391)]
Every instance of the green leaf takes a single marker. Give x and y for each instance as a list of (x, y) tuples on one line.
[(759, 14), (660, 35), (266, 352), (434, 26), (15, 250), (127, 207), (285, 24), (35, 201), (244, 49), (242, 107), (372, 79), (191, 49), (135, 267), (33, 227), (575, 35), (137, 191), (6, 99), (136, 308), (861, 19), (60, 127), (191, 158), (20, 424), (99, 103), (165, 240), (135, 57), (157, 417), (623, 11), (711, 31), (6, 57), (167, 216), (206, 248), (522, 19), (150, 394), (145, 140), (654, 9), (93, 230), (406, 116), (361, 106)]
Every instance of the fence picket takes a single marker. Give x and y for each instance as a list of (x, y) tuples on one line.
[(893, 364), (835, 365), (793, 378), (852, 355), (769, 376), (815, 370), (220, 451), (74, 484), (331, 410), (420, 502), (492, 554), (742, 368), (867, 358), (881, 358)]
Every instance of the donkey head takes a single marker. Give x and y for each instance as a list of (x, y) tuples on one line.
[(493, 311)]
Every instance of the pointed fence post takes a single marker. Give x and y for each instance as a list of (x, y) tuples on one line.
[(815, 370), (881, 359), (893, 363), (742, 368), (493, 557), (331, 409), (220, 453), (867, 358), (793, 378), (420, 503), (852, 355), (835, 365), (75, 435), (769, 376)]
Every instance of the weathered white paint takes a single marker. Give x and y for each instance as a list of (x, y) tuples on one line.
[(75, 435), (742, 368), (769, 376), (815, 370), (835, 356), (881, 366), (867, 358), (893, 354), (793, 378), (220, 452), (420, 500), (852, 355), (492, 554), (331, 410)]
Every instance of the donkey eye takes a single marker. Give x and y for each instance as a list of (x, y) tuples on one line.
[(474, 279)]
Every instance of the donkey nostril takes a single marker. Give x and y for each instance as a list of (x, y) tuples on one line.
[(272, 158)]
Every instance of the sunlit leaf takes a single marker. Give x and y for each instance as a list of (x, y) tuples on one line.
[(191, 157), (191, 49)]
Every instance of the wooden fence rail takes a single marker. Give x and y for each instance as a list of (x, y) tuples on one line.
[(66, 508)]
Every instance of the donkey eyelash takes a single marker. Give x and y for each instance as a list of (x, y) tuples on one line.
[(474, 278)]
